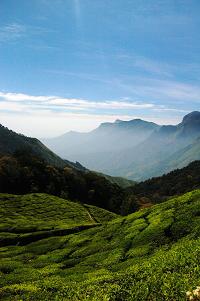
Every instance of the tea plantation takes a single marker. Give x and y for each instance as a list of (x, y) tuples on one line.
[(52, 249)]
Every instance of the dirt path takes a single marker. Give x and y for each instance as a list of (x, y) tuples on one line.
[(92, 218)]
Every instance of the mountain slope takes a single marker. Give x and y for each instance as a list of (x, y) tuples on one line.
[(11, 142), (184, 156), (154, 156), (139, 257), (178, 159)]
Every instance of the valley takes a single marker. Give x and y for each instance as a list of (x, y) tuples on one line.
[(68, 233)]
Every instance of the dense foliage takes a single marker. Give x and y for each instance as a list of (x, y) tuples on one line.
[(23, 172), (152, 254)]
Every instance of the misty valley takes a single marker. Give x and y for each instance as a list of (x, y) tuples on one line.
[(69, 233)]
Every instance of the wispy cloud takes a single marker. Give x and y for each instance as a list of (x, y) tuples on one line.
[(161, 90), (169, 90), (12, 32), (151, 87), (17, 31), (146, 64)]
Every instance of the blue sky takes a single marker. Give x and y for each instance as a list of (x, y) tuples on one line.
[(72, 64)]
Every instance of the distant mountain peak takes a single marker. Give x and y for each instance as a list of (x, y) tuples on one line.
[(136, 120), (118, 121), (136, 123), (191, 117)]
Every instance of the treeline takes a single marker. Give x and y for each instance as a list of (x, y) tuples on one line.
[(177, 182), (23, 173)]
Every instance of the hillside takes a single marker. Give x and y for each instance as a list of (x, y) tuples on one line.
[(25, 218), (134, 149), (152, 254), (183, 157), (11, 142)]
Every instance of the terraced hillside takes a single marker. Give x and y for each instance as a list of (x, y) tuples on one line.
[(152, 254), (26, 218)]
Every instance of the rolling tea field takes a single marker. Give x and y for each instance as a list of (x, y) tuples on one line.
[(53, 249)]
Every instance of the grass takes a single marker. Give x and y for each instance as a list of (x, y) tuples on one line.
[(39, 211), (35, 216), (152, 254)]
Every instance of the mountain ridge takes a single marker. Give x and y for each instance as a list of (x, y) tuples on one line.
[(134, 149)]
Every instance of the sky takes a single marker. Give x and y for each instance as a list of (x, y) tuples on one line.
[(72, 64)]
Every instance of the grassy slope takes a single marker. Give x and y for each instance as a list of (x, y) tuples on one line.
[(33, 214), (152, 254)]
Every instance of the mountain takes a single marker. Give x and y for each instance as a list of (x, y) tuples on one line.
[(134, 149), (52, 249), (107, 137), (99, 148), (168, 148)]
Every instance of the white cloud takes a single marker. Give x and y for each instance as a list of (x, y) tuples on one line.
[(23, 97), (44, 116), (56, 102)]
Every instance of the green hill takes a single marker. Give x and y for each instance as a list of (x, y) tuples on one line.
[(152, 254), (26, 217)]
